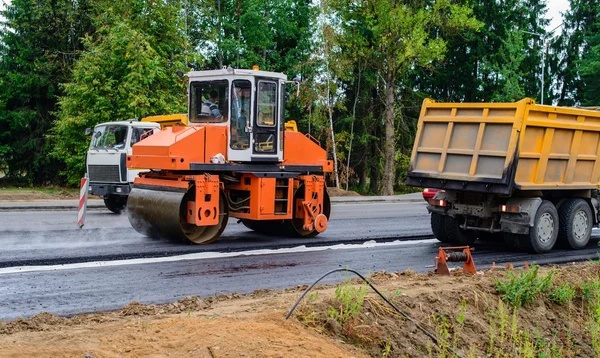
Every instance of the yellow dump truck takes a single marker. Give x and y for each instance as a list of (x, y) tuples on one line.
[(521, 172)]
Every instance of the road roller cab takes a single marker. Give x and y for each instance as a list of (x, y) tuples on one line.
[(235, 158)]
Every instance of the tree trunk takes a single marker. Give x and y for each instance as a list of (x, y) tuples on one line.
[(352, 129), (387, 187), (374, 161), (362, 181)]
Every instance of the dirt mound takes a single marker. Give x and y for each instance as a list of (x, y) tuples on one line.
[(552, 312), (466, 315), (41, 322), (332, 191)]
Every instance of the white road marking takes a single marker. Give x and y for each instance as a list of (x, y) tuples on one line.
[(210, 255)]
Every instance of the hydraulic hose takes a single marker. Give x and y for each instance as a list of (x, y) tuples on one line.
[(426, 332)]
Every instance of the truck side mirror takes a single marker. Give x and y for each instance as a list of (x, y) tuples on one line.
[(88, 131)]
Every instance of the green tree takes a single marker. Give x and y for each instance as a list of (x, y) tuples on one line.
[(511, 80), (473, 68), (589, 66), (577, 39), (404, 35), (38, 45), (273, 34), (126, 71)]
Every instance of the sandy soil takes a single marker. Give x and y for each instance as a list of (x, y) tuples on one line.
[(254, 325), (332, 191)]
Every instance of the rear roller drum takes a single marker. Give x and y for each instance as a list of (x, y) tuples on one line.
[(296, 225), (162, 214)]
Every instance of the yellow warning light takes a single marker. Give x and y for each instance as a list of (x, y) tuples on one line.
[(255, 68)]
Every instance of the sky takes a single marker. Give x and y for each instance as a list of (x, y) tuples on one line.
[(555, 8)]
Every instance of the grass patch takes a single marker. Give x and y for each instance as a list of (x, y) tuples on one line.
[(349, 301), (38, 193), (563, 293), (523, 288)]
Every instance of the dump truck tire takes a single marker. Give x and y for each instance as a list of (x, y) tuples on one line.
[(438, 226), (542, 236), (575, 219), (115, 203), (458, 236)]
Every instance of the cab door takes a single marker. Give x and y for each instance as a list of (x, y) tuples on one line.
[(266, 127), (241, 123)]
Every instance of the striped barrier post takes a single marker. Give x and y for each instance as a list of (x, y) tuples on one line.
[(83, 194)]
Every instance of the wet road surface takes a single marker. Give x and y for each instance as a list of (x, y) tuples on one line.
[(401, 231)]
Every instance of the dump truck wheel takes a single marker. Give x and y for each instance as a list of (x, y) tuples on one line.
[(438, 226), (542, 236), (575, 224), (458, 236), (115, 203)]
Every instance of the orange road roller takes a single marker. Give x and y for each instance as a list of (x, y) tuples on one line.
[(234, 159)]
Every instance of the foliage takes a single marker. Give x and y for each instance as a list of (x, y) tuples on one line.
[(396, 37), (38, 45), (589, 66), (365, 68), (576, 48), (562, 294), (126, 71), (350, 300), (523, 288), (275, 35)]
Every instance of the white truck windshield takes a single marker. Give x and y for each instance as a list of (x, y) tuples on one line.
[(111, 136)]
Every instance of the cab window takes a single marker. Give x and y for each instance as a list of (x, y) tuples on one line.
[(138, 134), (267, 104), (209, 101)]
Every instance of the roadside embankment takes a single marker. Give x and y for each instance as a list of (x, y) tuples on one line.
[(549, 311)]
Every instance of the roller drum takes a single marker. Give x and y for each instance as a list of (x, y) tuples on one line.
[(156, 213)]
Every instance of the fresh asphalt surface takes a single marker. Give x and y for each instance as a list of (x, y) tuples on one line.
[(230, 265)]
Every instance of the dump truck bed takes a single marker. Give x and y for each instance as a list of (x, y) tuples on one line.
[(499, 147)]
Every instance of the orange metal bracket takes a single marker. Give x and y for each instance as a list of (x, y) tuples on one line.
[(442, 259), (204, 210), (312, 205)]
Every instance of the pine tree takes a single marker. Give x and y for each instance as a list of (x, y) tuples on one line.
[(38, 45), (127, 71)]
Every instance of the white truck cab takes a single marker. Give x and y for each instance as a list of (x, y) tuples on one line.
[(106, 160)]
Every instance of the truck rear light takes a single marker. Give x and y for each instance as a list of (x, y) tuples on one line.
[(510, 209), (434, 202)]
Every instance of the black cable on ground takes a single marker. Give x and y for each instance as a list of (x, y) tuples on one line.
[(426, 332)]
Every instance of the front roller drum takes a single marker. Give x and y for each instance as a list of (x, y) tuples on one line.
[(163, 214)]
